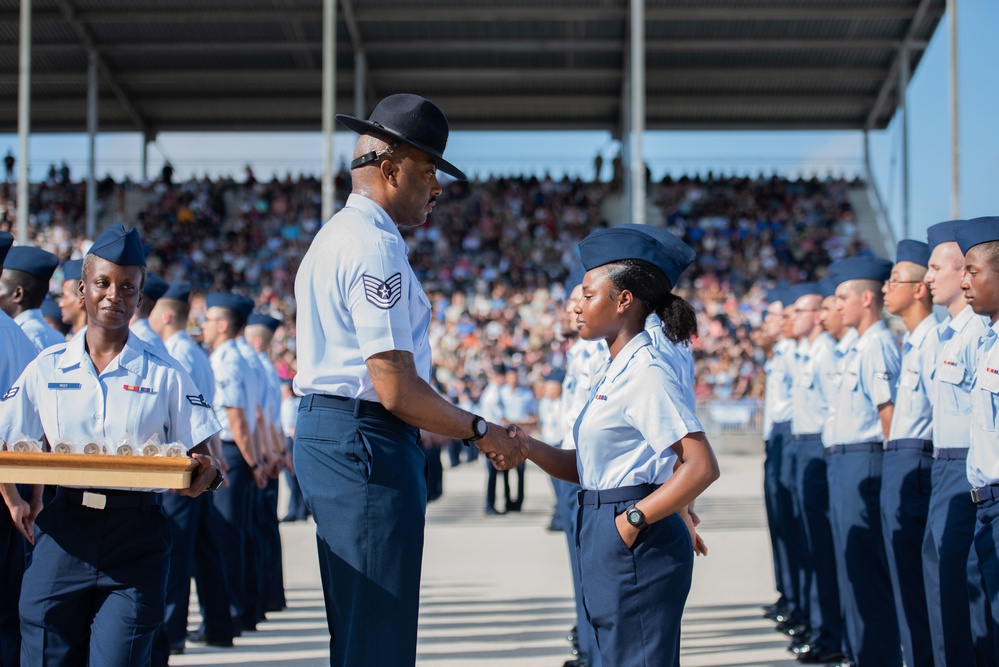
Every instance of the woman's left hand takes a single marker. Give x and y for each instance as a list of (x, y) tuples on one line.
[(627, 532)]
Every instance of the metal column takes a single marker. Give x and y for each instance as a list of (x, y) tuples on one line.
[(360, 87), (329, 102), (23, 121), (626, 140), (955, 137), (92, 145), (637, 162), (903, 93)]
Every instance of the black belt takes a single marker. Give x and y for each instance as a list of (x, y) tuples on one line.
[(985, 493), (909, 443), (807, 437), (618, 495), (951, 453), (107, 499), (354, 406), (856, 447)]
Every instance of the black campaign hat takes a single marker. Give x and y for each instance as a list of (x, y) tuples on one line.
[(411, 119)]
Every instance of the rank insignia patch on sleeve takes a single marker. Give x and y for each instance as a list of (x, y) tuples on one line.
[(198, 400), (383, 293), (11, 393)]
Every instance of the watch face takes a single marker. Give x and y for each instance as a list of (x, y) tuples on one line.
[(481, 427), (635, 517)]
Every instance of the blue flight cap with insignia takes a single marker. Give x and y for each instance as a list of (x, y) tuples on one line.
[(33, 261), (6, 241), (651, 244), (118, 246), (795, 292), (975, 232), (915, 252), (860, 268), (942, 232), (827, 287), (234, 302), (178, 291), (155, 287), (260, 319), (72, 269), (51, 309)]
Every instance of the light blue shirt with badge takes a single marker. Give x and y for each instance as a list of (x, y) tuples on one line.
[(273, 408), (139, 395), (679, 357), (831, 374), (357, 296), (142, 329), (38, 330), (258, 390), (519, 405), (193, 359), (983, 456), (869, 380), (585, 363), (636, 413), (952, 377), (231, 380), (809, 402), (913, 414), (17, 352), (777, 405)]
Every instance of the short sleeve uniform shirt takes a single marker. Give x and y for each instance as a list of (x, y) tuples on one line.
[(17, 352), (983, 456), (231, 379), (952, 376), (38, 330)]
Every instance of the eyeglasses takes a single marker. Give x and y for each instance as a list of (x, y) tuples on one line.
[(892, 284)]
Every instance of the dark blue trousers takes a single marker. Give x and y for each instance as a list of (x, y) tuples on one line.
[(987, 548), (364, 477), (273, 586), (232, 503), (771, 495), (955, 597), (793, 542), (822, 594), (634, 597), (95, 586), (12, 547), (865, 585), (906, 483), (296, 503), (568, 514)]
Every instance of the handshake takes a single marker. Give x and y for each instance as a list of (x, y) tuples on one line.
[(505, 447)]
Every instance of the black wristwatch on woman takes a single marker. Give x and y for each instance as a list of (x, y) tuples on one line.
[(479, 430), (636, 518)]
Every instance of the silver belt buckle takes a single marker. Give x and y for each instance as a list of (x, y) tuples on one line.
[(95, 501), (976, 497)]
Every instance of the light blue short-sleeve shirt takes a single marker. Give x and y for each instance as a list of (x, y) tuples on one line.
[(194, 360), (16, 352), (913, 414), (777, 405), (231, 380), (809, 404), (586, 361), (38, 330), (142, 329), (952, 377), (983, 456)]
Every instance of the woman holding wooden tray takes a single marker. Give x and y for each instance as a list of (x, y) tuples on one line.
[(93, 591)]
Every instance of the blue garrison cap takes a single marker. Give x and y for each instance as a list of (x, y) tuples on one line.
[(916, 252), (972, 233), (860, 268), (795, 292), (33, 261), (155, 287), (777, 293), (72, 269), (51, 309), (651, 244), (119, 247), (942, 232), (271, 323), (6, 241), (234, 302), (827, 287), (178, 291)]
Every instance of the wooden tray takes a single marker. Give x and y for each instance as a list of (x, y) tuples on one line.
[(102, 472)]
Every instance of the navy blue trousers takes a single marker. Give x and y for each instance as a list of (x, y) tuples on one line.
[(364, 477), (987, 548), (865, 585), (12, 549), (95, 586), (906, 483), (296, 503), (794, 541), (634, 597), (822, 593), (232, 504), (567, 513), (771, 497), (273, 583), (959, 623)]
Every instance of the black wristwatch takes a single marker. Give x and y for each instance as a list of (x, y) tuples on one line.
[(217, 482), (636, 518), (479, 430)]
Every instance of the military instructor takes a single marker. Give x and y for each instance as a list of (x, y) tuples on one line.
[(364, 360)]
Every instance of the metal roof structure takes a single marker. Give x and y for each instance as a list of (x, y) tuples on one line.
[(190, 65)]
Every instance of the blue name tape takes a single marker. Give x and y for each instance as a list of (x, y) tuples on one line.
[(65, 385)]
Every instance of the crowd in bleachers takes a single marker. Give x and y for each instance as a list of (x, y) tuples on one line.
[(494, 256)]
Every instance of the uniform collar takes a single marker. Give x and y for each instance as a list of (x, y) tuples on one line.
[(803, 348), (35, 314), (377, 214), (872, 332), (623, 358), (178, 334), (962, 319), (131, 357), (916, 337), (848, 340)]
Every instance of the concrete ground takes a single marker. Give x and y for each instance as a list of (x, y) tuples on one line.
[(497, 591)]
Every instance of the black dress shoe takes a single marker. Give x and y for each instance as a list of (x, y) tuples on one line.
[(575, 662), (820, 657), (200, 638), (514, 507), (492, 511)]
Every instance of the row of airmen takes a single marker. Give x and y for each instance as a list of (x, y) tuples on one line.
[(882, 468), (228, 541)]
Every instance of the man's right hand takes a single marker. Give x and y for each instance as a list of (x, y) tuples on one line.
[(501, 448), (23, 517)]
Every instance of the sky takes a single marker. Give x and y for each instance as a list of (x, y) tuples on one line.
[(791, 152)]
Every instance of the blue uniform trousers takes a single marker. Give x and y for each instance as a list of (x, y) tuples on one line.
[(634, 597), (906, 482), (567, 512), (94, 588), (865, 585), (956, 599), (771, 493), (987, 548), (364, 477), (253, 556), (296, 503), (231, 504), (822, 593), (794, 541), (272, 557), (12, 551)]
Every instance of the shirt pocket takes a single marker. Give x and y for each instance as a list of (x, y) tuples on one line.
[(987, 391), (910, 378), (951, 376)]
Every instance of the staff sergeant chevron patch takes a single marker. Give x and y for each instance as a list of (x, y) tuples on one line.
[(383, 294)]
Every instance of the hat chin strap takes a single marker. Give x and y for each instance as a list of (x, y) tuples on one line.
[(367, 158)]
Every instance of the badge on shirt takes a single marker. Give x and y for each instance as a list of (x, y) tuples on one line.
[(65, 385), (198, 400), (994, 371), (137, 389), (383, 293), (883, 376), (600, 397), (11, 393)]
